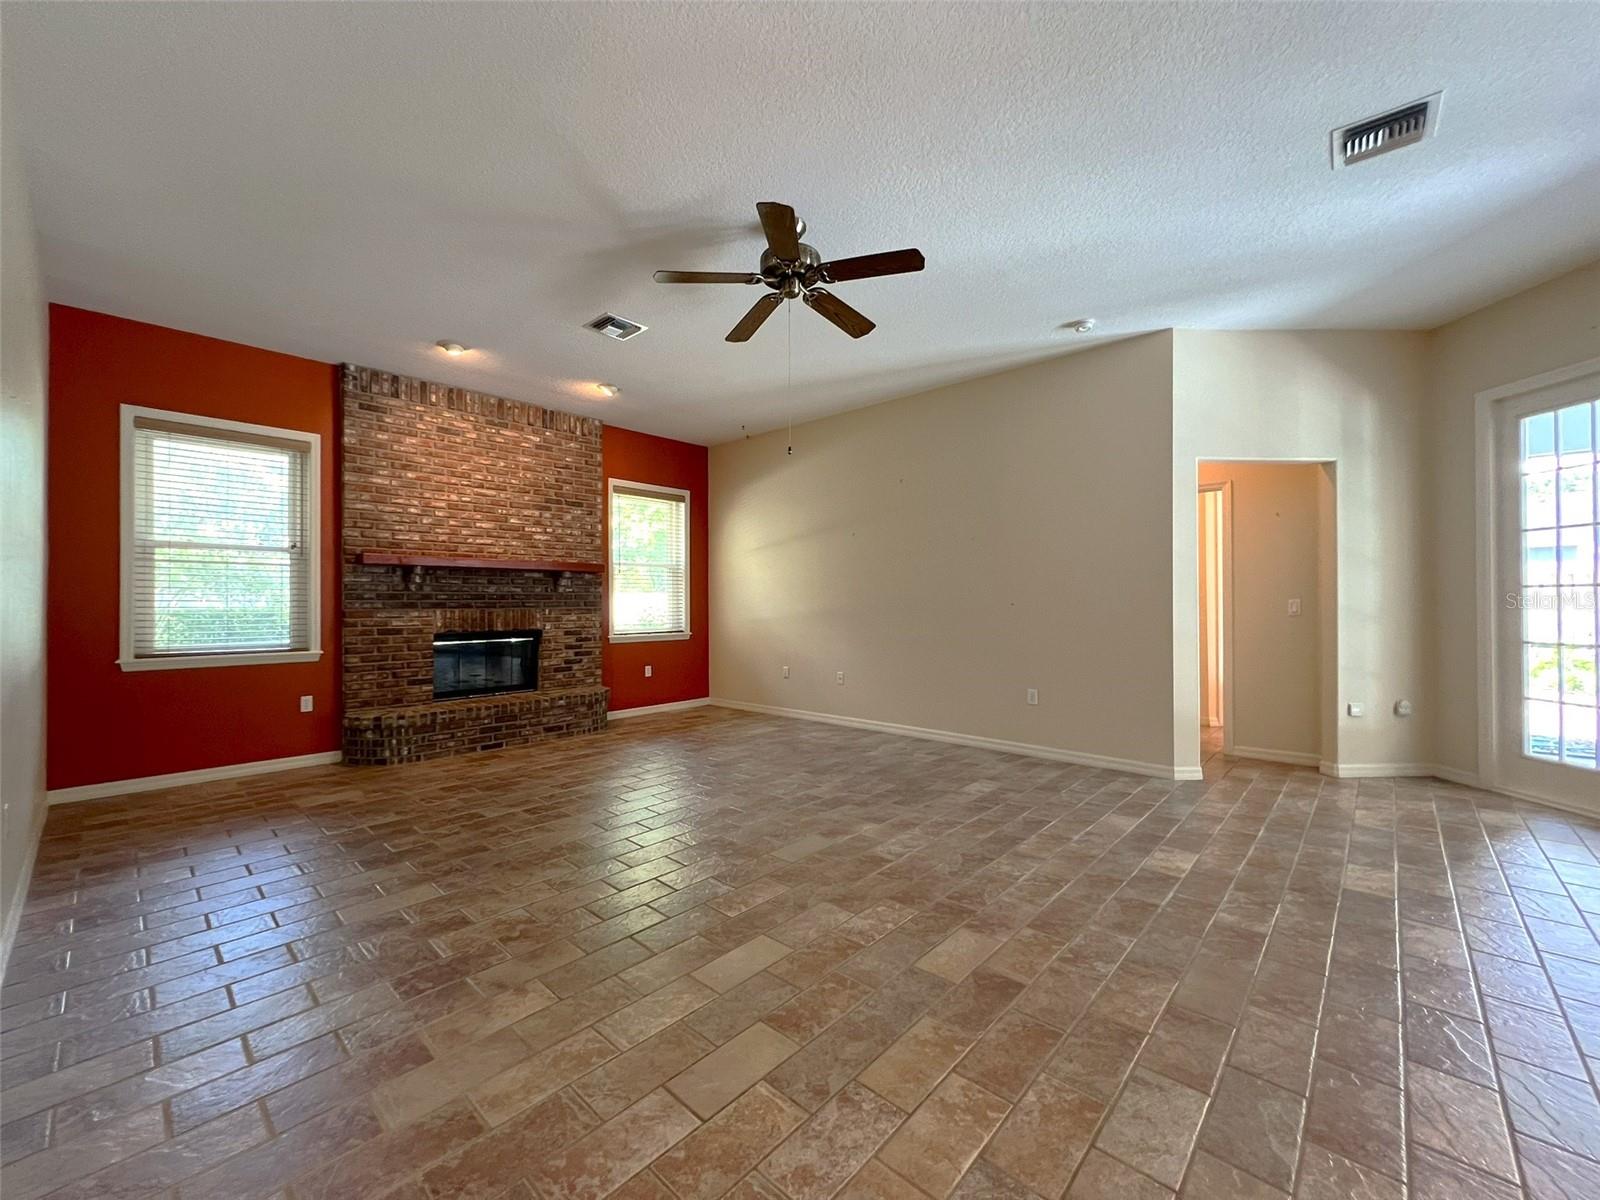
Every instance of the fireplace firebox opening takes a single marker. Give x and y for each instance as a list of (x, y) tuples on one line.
[(485, 662)]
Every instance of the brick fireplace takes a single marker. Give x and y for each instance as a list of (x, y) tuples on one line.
[(463, 512)]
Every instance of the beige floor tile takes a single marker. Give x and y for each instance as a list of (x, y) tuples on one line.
[(1046, 1135), (534, 1078), (620, 1081), (877, 1182), (819, 1157), (936, 1145), (401, 1101), (599, 1163), (1104, 1178), (1152, 1126), (731, 1068), (649, 1015), (713, 1158), (740, 963), (912, 1067)]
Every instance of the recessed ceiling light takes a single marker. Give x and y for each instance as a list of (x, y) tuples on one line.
[(1081, 325), (607, 389), (453, 349)]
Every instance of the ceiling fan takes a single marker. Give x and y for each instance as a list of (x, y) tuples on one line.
[(795, 271)]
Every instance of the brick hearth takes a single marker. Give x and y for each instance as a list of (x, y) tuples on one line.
[(432, 470)]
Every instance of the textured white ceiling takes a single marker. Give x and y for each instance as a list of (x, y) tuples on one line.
[(357, 181)]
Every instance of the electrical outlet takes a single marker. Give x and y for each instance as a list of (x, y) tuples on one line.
[(1294, 607), (305, 703), (838, 676), (786, 672), (648, 670), (1355, 709), (1033, 695)]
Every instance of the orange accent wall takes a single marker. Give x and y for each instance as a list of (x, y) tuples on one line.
[(681, 670), (106, 724)]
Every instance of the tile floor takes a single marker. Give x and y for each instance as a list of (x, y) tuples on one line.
[(724, 955)]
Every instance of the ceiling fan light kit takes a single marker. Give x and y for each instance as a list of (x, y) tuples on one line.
[(795, 271)]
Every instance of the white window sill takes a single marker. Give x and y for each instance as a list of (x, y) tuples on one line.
[(650, 637), (182, 662)]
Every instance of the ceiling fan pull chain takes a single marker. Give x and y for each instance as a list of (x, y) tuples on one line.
[(789, 397)]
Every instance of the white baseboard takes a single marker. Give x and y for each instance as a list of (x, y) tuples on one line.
[(19, 892), (1377, 770), (1293, 758), (1452, 775), (616, 714), (1567, 806), (151, 783), (1132, 766), (1472, 780), (1449, 775)]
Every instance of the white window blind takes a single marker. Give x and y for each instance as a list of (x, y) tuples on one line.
[(649, 561), (220, 559)]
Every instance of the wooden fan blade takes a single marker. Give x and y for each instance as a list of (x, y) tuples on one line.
[(751, 321), (705, 277), (840, 313), (867, 266), (782, 229)]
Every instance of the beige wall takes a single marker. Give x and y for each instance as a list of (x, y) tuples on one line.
[(22, 416), (952, 549), (1542, 329), (1274, 658), (1357, 400)]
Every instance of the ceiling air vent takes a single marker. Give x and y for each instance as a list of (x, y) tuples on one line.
[(1379, 135), (613, 326)]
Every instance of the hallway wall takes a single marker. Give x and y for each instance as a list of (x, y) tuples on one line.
[(23, 357), (1357, 399), (1554, 325)]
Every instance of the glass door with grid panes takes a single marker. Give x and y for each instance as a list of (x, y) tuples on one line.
[(1548, 723)]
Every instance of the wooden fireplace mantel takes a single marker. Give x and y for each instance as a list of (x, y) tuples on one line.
[(377, 558)]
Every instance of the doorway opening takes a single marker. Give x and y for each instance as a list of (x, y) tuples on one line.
[(1266, 602)]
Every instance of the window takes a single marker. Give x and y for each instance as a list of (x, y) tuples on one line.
[(219, 542), (649, 562), (1539, 599), (1557, 596)]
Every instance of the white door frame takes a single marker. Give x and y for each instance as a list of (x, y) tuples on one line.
[(1328, 597), (1565, 385), (1224, 606)]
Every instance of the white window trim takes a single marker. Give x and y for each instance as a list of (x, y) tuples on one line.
[(688, 541), (126, 659), (1550, 389)]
